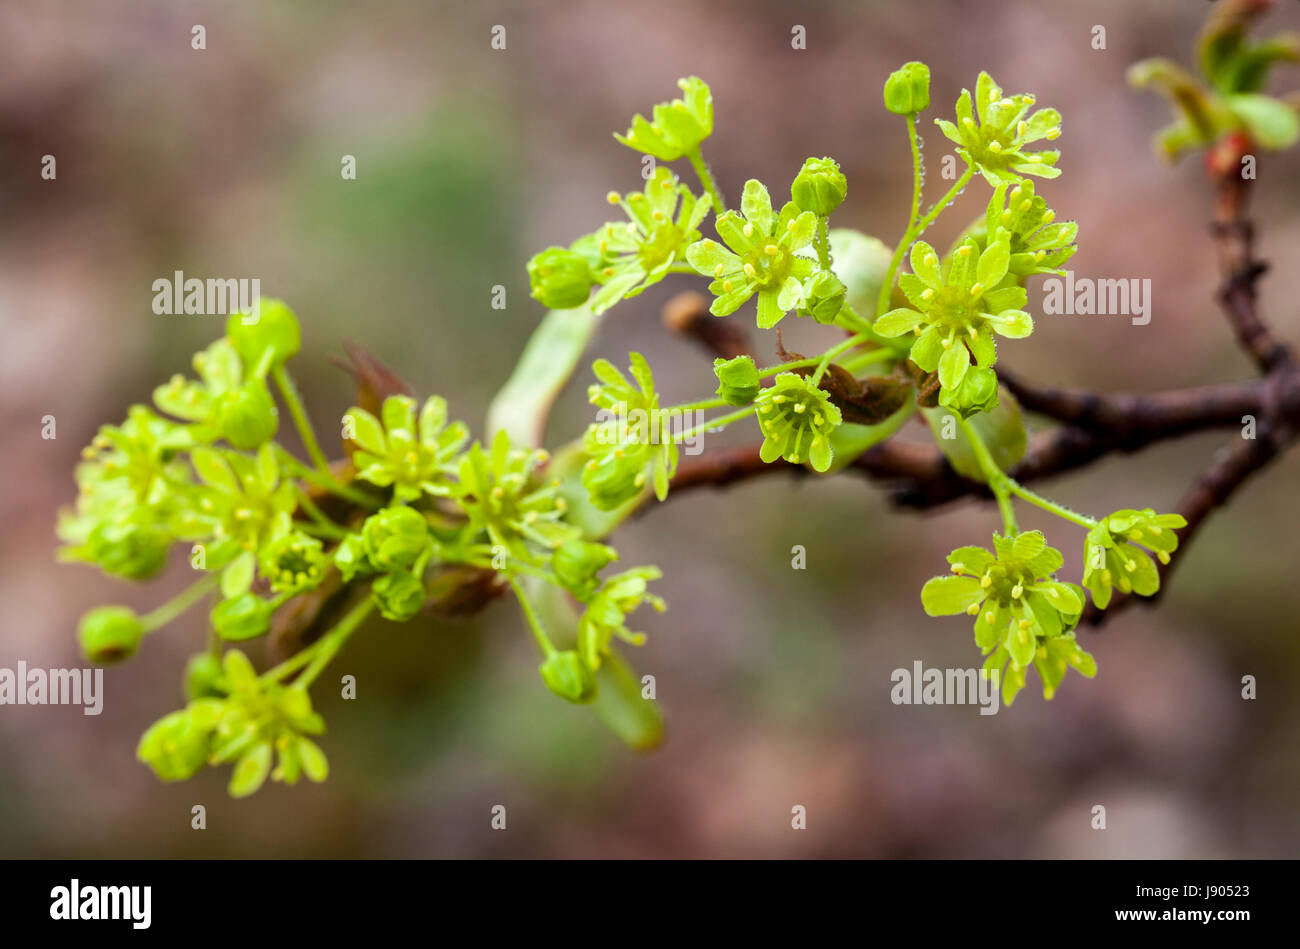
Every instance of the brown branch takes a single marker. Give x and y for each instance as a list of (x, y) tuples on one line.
[(1094, 424)]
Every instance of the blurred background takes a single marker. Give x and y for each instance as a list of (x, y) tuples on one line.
[(775, 682)]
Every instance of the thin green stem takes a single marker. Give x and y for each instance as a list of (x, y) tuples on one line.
[(947, 199), (294, 402), (720, 422), (997, 480), (706, 179), (867, 358), (886, 288), (181, 602), (534, 623), (327, 647), (823, 244), (324, 524), (915, 230), (849, 319), (326, 482), (1047, 504), (696, 406), (835, 351)]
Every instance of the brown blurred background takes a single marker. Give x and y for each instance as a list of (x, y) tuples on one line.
[(775, 682)]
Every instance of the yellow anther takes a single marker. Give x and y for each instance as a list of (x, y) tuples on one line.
[(1021, 128), (963, 250), (748, 230), (976, 288), (958, 567), (988, 617), (613, 197), (750, 272), (717, 271), (726, 286), (972, 609), (658, 215), (986, 581), (1049, 216), (1016, 591), (770, 250), (639, 481), (927, 294), (800, 407)]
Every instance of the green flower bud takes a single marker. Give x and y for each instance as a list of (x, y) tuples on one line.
[(110, 634), (203, 677), (126, 550), (396, 537), (248, 416), (351, 558), (737, 380), (273, 326), (561, 279), (907, 90), (399, 595), (977, 392), (246, 616), (820, 186), (823, 298), (568, 676), (577, 563), (177, 745)]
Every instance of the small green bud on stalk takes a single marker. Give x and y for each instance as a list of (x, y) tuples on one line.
[(820, 187), (907, 90), (110, 634), (568, 676)]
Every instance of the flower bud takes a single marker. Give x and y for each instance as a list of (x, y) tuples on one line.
[(248, 417), (396, 537), (246, 616), (561, 279), (978, 392), (568, 676), (576, 564), (110, 634), (823, 297), (177, 745), (203, 677), (351, 558), (126, 550), (271, 325), (820, 186), (907, 90), (737, 380), (399, 595)]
